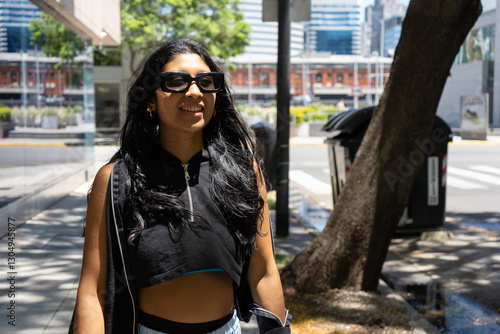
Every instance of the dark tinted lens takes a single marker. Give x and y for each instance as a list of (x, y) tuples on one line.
[(210, 82), (207, 82), (177, 82)]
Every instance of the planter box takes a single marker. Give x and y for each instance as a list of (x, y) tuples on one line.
[(311, 129), (5, 127), (50, 122)]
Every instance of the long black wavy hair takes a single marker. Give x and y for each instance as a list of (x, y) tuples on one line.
[(230, 144)]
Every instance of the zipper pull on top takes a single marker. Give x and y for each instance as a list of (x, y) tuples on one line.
[(187, 177), (186, 173)]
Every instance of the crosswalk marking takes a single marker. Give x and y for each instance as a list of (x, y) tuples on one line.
[(305, 180), (474, 175), (486, 169), (455, 178), (462, 184)]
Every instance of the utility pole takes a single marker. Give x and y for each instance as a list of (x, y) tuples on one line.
[(283, 118)]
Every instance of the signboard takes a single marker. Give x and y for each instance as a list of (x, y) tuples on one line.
[(474, 116), (356, 91)]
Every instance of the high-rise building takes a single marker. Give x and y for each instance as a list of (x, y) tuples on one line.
[(15, 18), (264, 35), (335, 27), (382, 10), (392, 33)]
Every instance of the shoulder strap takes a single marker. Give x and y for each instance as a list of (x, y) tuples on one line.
[(121, 306)]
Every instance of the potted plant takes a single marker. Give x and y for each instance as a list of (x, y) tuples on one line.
[(50, 118), (5, 120), (62, 114), (78, 113), (33, 117)]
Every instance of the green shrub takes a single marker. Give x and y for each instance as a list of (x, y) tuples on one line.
[(312, 112), (298, 114), (78, 109), (47, 111), (32, 110), (271, 200), (62, 112), (5, 114), (16, 111)]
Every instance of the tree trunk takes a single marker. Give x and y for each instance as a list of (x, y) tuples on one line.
[(350, 252)]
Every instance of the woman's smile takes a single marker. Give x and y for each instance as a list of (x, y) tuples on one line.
[(192, 109)]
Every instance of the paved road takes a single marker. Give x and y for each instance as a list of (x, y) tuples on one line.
[(473, 177)]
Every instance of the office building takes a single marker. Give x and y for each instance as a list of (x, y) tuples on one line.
[(335, 27), (392, 32), (264, 35), (15, 16), (381, 10)]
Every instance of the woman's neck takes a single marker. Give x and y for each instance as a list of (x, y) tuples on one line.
[(184, 149)]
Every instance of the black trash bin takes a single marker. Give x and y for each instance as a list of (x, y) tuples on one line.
[(267, 136), (426, 208)]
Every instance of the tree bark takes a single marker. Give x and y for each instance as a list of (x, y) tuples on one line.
[(350, 251)]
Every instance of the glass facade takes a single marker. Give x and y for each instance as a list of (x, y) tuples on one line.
[(15, 16), (47, 121), (335, 27), (392, 34), (264, 35)]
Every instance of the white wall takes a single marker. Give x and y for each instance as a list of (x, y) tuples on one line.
[(464, 79)]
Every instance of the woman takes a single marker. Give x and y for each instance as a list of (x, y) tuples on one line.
[(178, 238)]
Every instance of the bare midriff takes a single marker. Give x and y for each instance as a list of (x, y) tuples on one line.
[(191, 298)]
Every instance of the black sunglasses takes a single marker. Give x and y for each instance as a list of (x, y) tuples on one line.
[(179, 82)]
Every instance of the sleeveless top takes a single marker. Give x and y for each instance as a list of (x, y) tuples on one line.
[(160, 253)]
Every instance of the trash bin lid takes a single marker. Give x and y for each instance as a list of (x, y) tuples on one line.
[(439, 123), (349, 121)]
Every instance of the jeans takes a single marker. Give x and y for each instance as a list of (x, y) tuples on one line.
[(231, 327)]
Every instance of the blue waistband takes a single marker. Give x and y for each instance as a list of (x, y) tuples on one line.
[(203, 270)]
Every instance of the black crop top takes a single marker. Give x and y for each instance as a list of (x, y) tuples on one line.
[(160, 254)]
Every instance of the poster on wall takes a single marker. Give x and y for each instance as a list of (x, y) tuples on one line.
[(474, 116)]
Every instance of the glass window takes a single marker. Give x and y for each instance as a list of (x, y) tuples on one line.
[(265, 79), (56, 124)]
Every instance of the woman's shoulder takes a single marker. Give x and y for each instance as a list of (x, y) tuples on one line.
[(102, 177)]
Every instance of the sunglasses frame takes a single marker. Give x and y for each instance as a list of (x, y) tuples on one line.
[(217, 76)]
